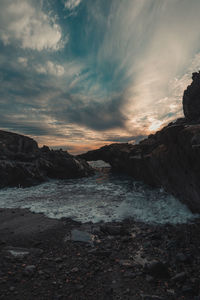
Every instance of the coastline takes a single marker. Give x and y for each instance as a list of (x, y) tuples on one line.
[(126, 260)]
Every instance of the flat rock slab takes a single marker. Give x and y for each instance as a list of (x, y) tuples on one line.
[(23, 222), (81, 236)]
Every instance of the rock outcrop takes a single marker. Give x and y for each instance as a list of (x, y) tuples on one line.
[(23, 163), (169, 158), (191, 99)]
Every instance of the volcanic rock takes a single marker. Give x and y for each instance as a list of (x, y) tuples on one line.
[(23, 163), (191, 99)]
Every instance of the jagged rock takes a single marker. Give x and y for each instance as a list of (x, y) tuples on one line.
[(191, 99), (12, 143), (23, 163)]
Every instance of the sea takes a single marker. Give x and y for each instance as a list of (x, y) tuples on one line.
[(103, 197)]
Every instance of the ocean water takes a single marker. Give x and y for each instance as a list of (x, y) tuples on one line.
[(102, 197)]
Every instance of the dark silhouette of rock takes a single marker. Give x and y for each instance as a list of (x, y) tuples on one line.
[(170, 158), (191, 99), (23, 163)]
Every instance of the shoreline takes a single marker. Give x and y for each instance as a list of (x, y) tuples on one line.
[(115, 260)]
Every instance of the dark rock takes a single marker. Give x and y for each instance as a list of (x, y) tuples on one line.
[(157, 269), (23, 163), (151, 297), (58, 259), (191, 99), (29, 270), (149, 278), (75, 270), (81, 236), (129, 274), (186, 289), (180, 257), (113, 230), (179, 277)]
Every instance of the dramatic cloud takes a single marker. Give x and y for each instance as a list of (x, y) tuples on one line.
[(50, 68), (23, 22), (80, 74)]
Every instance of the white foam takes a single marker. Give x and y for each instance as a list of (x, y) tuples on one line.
[(102, 197)]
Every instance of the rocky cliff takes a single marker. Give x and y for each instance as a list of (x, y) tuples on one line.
[(23, 163), (170, 158)]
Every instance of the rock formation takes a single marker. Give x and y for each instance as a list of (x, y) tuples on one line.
[(191, 99), (169, 158), (23, 163)]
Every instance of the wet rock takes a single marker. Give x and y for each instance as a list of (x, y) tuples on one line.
[(81, 236)]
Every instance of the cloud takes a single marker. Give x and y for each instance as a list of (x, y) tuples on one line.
[(51, 69), (96, 115), (23, 61), (148, 45), (72, 4), (27, 25), (120, 76)]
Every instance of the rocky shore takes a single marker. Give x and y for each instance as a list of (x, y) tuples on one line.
[(49, 259), (170, 158), (23, 163)]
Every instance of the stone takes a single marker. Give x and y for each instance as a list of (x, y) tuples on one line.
[(149, 278), (180, 257), (75, 270), (113, 230), (29, 270), (187, 289), (151, 297), (179, 277), (157, 269), (81, 236), (58, 259)]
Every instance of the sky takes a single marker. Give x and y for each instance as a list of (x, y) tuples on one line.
[(79, 74)]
